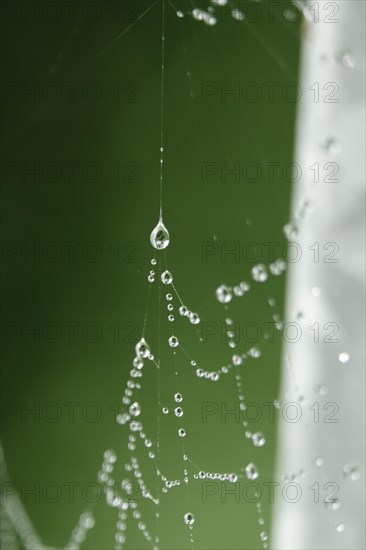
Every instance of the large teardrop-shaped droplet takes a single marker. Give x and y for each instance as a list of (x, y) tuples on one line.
[(159, 237), (142, 348)]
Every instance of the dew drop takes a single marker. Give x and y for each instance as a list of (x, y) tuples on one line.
[(290, 231), (319, 461), (138, 363), (251, 471), (169, 297), (142, 348), (258, 439), (347, 60), (183, 311), (189, 518), (159, 237), (341, 527), (135, 409), (165, 410), (331, 145), (332, 504), (170, 318), (181, 432), (194, 318), (259, 273), (173, 342), (263, 536), (178, 397), (180, 14), (166, 277), (238, 15), (344, 357), (224, 294), (178, 411), (351, 472)]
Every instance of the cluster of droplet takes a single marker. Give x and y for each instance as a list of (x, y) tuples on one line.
[(221, 476), (225, 293)]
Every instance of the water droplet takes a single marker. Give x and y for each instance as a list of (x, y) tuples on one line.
[(351, 472), (321, 390), (332, 504), (224, 294), (341, 527), (347, 60), (331, 145), (142, 348), (178, 397), (319, 461), (159, 237), (263, 536), (251, 471), (170, 307), (259, 273), (316, 291), (181, 432), (169, 297), (166, 277), (194, 318), (165, 410), (290, 231), (135, 409), (258, 439), (344, 357), (178, 411), (138, 363), (170, 318), (180, 14), (183, 311), (189, 518), (151, 278), (238, 15), (173, 342)]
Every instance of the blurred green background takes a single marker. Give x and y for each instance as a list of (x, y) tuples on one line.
[(101, 290)]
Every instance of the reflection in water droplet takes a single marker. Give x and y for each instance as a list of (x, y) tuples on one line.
[(224, 294), (251, 471), (194, 318), (173, 342), (159, 237), (259, 273), (166, 277), (258, 439), (142, 348), (189, 518), (135, 409)]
